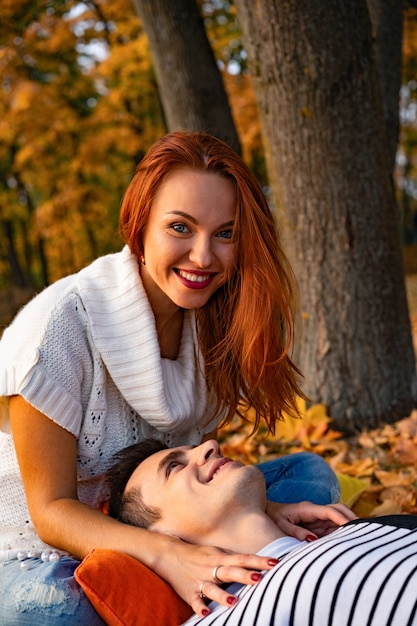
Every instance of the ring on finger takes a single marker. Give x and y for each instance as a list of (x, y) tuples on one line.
[(215, 577), (201, 594)]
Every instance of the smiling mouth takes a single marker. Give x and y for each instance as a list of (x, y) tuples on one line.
[(194, 278), (218, 466)]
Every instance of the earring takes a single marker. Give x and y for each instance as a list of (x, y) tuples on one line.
[(142, 259)]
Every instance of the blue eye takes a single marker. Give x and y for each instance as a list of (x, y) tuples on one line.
[(180, 228), (225, 234)]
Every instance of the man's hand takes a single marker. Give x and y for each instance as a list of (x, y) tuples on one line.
[(307, 521)]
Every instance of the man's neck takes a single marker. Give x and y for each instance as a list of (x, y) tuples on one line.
[(247, 533)]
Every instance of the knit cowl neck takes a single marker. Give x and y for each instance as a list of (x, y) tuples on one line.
[(166, 393)]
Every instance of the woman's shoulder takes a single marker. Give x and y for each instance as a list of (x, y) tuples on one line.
[(63, 293), (108, 266), (38, 310), (107, 275)]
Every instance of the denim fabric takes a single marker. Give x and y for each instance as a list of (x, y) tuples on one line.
[(298, 477), (46, 594)]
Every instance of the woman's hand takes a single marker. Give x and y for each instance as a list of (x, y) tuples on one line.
[(307, 521), (190, 569)]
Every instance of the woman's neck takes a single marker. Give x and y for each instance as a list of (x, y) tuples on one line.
[(169, 329), (168, 318)]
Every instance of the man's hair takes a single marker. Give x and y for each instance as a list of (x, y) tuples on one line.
[(129, 507)]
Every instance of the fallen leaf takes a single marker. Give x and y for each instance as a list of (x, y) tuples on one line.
[(383, 460), (388, 507), (405, 451), (389, 479)]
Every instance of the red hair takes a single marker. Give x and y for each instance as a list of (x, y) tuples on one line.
[(246, 328)]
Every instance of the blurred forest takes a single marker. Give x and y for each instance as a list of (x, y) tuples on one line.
[(80, 105), (78, 108)]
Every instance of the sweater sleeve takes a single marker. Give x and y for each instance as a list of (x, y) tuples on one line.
[(45, 355)]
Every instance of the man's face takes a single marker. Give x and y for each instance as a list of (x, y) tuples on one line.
[(196, 489)]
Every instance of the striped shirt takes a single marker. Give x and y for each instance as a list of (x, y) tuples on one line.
[(363, 574)]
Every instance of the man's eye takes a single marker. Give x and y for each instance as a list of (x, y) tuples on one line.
[(172, 466)]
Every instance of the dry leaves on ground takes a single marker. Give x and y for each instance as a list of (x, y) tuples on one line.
[(377, 469)]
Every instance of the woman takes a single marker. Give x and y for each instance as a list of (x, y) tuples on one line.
[(163, 339)]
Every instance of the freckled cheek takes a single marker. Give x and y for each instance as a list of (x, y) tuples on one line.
[(229, 259), (232, 256), (165, 253)]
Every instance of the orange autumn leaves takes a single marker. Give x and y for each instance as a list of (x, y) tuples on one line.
[(376, 469)]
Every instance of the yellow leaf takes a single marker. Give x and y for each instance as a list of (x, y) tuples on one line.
[(317, 414), (351, 489)]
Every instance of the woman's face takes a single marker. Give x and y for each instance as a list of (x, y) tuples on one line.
[(188, 244)]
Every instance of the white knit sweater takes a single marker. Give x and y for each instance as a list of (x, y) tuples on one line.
[(85, 352)]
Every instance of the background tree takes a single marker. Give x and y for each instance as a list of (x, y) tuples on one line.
[(225, 37), (320, 105), (78, 107), (190, 84), (387, 31), (406, 169)]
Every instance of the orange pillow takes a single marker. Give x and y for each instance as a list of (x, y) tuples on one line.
[(126, 593)]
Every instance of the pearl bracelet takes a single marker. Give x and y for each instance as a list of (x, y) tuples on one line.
[(46, 556)]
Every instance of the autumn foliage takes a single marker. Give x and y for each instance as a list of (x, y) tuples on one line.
[(78, 108), (377, 469)]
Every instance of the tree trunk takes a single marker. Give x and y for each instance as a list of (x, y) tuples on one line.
[(17, 276), (387, 29), (317, 88), (190, 84)]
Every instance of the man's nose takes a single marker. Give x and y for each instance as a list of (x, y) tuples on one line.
[(206, 450)]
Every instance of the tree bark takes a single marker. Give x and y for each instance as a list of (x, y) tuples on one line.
[(387, 29), (320, 106), (17, 275), (190, 84)]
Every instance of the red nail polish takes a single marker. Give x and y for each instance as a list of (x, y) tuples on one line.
[(231, 600), (311, 538), (205, 612), (256, 577), (273, 562)]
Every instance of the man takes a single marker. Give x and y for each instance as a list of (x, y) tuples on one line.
[(363, 573)]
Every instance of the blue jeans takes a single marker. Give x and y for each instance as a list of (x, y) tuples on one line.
[(298, 477), (48, 593)]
